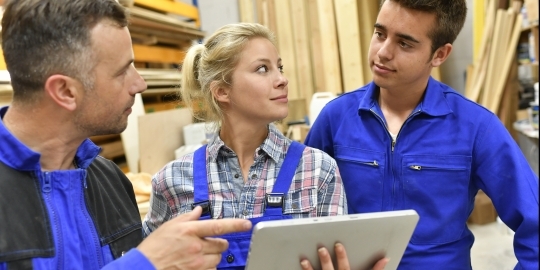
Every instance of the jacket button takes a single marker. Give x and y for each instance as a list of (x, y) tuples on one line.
[(236, 176), (230, 258)]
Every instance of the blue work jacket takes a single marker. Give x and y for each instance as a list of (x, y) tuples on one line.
[(447, 149), (85, 218)]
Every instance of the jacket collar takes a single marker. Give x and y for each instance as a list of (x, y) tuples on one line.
[(18, 156), (433, 103)]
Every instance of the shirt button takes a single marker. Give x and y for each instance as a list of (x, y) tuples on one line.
[(245, 212), (295, 206), (253, 176), (236, 176), (230, 258)]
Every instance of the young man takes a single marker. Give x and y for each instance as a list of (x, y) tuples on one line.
[(407, 141), (62, 206)]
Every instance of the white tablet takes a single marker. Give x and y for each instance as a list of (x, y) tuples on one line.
[(367, 238)]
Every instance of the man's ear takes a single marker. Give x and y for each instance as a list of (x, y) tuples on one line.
[(441, 54), (220, 93), (63, 90)]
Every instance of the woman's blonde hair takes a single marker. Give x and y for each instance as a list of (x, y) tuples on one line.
[(215, 61)]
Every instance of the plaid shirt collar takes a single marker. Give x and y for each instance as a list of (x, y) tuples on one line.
[(275, 145)]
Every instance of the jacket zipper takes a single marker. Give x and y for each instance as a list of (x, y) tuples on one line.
[(420, 167), (393, 144), (47, 189), (373, 163), (89, 221)]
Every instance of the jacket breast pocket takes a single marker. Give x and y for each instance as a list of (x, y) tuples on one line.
[(362, 172), (301, 202), (436, 186)]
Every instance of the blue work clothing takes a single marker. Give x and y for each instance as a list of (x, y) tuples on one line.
[(235, 257), (446, 150), (82, 218)]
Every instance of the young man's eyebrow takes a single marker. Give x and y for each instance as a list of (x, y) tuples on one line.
[(401, 35)]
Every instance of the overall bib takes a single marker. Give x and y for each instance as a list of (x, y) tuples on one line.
[(236, 256)]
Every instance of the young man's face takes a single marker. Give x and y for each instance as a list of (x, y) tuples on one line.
[(400, 51), (105, 108)]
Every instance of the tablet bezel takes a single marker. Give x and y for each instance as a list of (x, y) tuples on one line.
[(367, 237)]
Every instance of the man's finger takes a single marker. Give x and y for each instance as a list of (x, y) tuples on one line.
[(190, 216), (216, 227), (215, 245)]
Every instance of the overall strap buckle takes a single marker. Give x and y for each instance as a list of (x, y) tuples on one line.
[(275, 199), (206, 207)]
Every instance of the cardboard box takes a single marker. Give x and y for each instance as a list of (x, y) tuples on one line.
[(484, 211)]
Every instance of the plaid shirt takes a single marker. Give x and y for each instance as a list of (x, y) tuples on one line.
[(316, 189)]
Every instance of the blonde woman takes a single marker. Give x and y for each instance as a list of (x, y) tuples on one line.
[(249, 170)]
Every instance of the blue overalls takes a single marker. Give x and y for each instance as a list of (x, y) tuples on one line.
[(236, 256)]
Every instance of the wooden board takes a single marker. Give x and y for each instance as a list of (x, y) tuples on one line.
[(285, 42), (266, 14), (480, 61), (2, 60), (494, 51), (157, 54), (350, 49), (367, 12), (329, 46), (151, 19), (299, 10), (506, 64), (160, 134), (315, 48), (182, 9), (247, 11)]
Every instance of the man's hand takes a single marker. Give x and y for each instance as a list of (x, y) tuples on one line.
[(342, 260), (184, 242)]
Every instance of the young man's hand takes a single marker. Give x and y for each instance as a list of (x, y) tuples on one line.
[(342, 260)]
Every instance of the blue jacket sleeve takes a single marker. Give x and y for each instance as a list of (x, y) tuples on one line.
[(133, 259), (502, 171)]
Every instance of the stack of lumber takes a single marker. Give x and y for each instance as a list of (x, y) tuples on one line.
[(323, 43), (492, 78), (162, 30)]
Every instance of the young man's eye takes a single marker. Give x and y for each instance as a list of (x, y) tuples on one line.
[(262, 69), (404, 45), (378, 34)]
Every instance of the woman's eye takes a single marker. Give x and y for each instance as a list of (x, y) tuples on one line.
[(262, 69), (280, 69)]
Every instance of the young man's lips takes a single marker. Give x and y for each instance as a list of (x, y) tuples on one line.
[(383, 68)]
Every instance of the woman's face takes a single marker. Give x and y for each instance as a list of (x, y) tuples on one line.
[(259, 90)]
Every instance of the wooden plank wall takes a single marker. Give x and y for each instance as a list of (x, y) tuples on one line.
[(323, 43)]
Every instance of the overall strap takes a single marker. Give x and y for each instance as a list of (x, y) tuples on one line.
[(200, 181), (286, 173), (274, 200)]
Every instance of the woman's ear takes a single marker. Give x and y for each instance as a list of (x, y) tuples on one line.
[(64, 90), (441, 54), (220, 93)]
